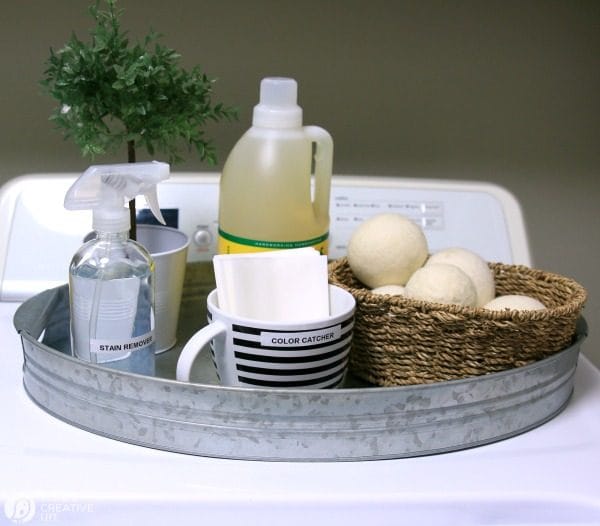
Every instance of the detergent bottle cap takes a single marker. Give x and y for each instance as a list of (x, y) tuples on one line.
[(277, 107), (106, 189)]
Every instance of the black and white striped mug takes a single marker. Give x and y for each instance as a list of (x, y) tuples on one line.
[(259, 353)]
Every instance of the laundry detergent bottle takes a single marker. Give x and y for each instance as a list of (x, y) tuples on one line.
[(111, 287), (266, 199)]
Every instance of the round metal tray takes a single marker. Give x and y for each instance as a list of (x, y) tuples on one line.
[(356, 422)]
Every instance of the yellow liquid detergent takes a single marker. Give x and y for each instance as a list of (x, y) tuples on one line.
[(265, 200)]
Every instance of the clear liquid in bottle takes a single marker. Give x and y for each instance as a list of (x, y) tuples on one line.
[(111, 297)]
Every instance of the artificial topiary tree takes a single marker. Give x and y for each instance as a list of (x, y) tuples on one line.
[(113, 95)]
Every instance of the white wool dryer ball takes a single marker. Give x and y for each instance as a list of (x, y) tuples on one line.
[(514, 302), (392, 290), (441, 283), (386, 249), (473, 266)]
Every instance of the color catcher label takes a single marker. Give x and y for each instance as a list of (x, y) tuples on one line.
[(300, 339), (230, 244)]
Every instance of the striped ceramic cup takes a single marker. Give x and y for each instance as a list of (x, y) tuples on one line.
[(259, 353)]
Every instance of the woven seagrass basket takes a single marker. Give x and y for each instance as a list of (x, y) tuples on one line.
[(400, 341)]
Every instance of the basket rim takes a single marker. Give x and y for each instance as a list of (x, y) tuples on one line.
[(575, 302)]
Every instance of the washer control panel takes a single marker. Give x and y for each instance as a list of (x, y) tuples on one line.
[(38, 236)]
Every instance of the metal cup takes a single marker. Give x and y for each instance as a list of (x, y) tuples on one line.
[(168, 248)]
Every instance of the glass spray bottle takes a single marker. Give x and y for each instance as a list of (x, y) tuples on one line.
[(111, 287)]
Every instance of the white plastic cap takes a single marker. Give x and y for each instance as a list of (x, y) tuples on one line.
[(278, 106)]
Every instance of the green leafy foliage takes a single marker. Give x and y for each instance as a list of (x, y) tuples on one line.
[(113, 93)]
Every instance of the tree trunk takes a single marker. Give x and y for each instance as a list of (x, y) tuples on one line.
[(132, 210)]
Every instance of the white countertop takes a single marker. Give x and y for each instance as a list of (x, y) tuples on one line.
[(51, 471)]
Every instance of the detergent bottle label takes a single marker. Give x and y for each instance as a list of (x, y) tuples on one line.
[(231, 244)]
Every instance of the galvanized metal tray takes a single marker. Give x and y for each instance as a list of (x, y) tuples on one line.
[(356, 422)]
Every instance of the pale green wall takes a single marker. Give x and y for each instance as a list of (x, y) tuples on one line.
[(503, 91)]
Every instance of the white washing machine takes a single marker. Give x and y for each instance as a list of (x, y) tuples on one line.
[(52, 472)]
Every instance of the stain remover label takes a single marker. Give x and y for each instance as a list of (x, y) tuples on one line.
[(110, 350)]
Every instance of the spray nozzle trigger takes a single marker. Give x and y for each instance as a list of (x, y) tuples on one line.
[(135, 185), (105, 189), (152, 200)]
